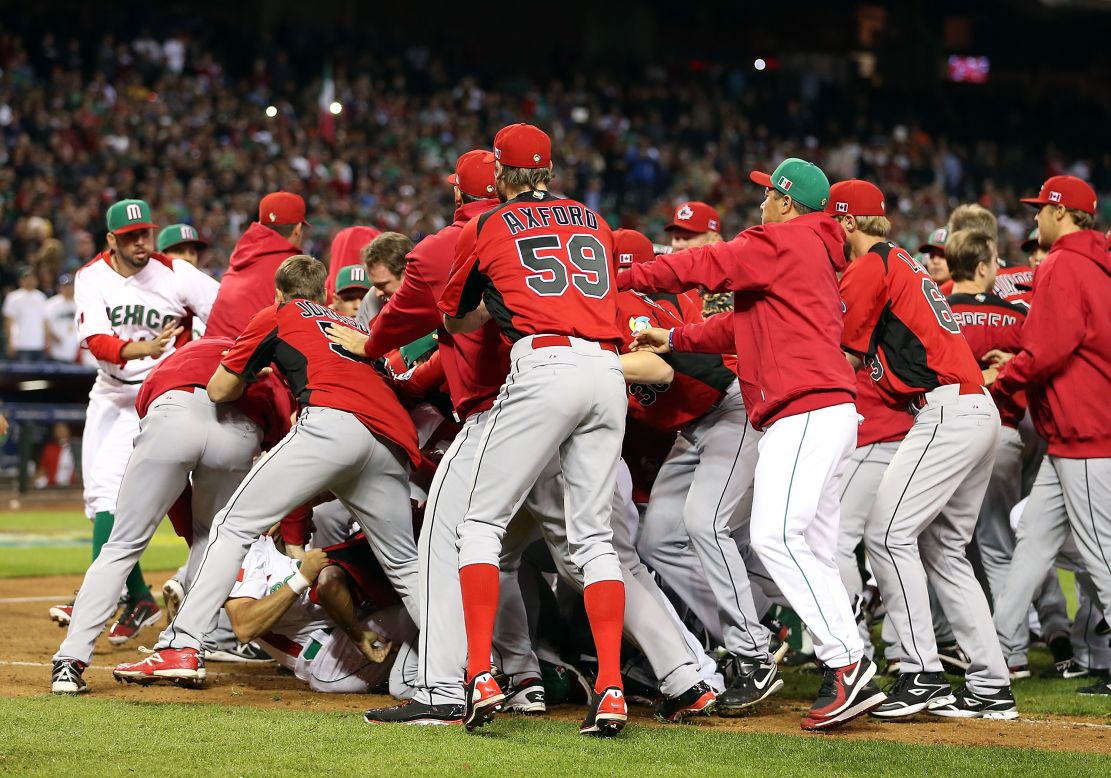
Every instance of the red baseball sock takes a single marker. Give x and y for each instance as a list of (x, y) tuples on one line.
[(479, 584), (605, 608)]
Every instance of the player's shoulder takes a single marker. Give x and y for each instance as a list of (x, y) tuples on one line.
[(95, 266)]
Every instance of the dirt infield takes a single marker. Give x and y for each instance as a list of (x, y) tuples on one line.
[(28, 639)]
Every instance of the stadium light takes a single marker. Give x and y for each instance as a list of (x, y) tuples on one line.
[(335, 108), (759, 64), (271, 111)]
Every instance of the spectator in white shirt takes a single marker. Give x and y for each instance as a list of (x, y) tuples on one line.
[(25, 319), (61, 327)]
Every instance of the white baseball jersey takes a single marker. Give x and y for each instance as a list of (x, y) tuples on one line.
[(61, 321), (137, 308)]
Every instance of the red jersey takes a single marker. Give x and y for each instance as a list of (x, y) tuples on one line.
[(248, 285), (1015, 284), (898, 320), (542, 264), (988, 322), (882, 423), (700, 379), (266, 402), (320, 373)]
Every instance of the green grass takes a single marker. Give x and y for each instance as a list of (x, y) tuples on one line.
[(35, 543), (56, 736)]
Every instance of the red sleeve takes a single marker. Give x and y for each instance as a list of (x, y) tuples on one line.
[(863, 294), (107, 348), (410, 314), (295, 525), (254, 349), (423, 378), (746, 263), (983, 339), (1054, 329), (463, 291), (712, 336)]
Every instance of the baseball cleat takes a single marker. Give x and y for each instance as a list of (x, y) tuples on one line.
[(912, 693), (847, 692), (967, 704), (483, 699), (526, 697), (699, 700), (1100, 689), (62, 615), (65, 677), (415, 713), (244, 653), (137, 615), (1018, 672), (607, 714), (172, 595), (1067, 669), (754, 681), (893, 668), (184, 666), (953, 659)]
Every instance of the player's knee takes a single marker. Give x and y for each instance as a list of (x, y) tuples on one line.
[(330, 582)]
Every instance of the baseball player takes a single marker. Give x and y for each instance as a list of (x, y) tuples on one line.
[(184, 439), (129, 301), (352, 285), (695, 224), (798, 390), (384, 258), (928, 500), (352, 437), (181, 241), (933, 249), (1063, 368), (540, 267)]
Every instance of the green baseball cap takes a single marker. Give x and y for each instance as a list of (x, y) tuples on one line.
[(176, 234), (128, 216), (937, 240), (412, 352), (352, 277), (803, 181)]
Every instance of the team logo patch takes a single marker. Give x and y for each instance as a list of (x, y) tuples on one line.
[(134, 211), (713, 224), (639, 324), (625, 259), (489, 188), (841, 207), (1054, 197), (684, 213), (188, 233), (273, 217), (497, 153), (535, 157), (784, 183)]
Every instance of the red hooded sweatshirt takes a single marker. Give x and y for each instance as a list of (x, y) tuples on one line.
[(248, 286), (1065, 362), (347, 249), (475, 363), (787, 312)]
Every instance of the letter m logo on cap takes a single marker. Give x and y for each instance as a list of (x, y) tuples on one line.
[(134, 211), (841, 207), (784, 183), (188, 233), (1054, 197)]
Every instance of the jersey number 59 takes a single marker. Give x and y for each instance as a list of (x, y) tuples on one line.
[(555, 267)]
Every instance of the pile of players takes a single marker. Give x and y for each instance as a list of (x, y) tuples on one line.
[(528, 392)]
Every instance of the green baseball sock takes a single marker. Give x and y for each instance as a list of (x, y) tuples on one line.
[(137, 588)]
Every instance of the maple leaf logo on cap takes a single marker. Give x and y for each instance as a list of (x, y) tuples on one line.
[(535, 157), (497, 153), (684, 213), (489, 188), (1054, 197), (784, 183), (273, 216), (842, 207)]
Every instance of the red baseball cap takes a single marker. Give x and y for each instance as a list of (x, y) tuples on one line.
[(631, 248), (696, 217), (474, 173), (523, 145), (1069, 191), (855, 197), (282, 208)]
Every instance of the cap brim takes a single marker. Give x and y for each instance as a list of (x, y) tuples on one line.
[(134, 228), (452, 179), (1037, 202), (1028, 245), (349, 287), (763, 179), (202, 243), (676, 227), (928, 246)]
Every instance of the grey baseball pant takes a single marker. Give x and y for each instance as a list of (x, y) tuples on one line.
[(327, 450), (922, 521), (183, 434), (1068, 494)]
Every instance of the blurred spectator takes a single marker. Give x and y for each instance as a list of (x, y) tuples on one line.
[(59, 460), (62, 344), (25, 319)]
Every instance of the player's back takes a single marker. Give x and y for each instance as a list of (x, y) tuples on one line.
[(547, 262)]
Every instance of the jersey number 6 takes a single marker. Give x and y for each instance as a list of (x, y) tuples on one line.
[(583, 263)]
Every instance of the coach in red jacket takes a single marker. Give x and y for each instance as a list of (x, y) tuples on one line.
[(1065, 368), (799, 389)]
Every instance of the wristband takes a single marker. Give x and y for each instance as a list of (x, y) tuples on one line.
[(670, 335), (298, 584)]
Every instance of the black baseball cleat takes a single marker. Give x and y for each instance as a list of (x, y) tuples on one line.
[(912, 693), (1018, 672), (1101, 688), (755, 681), (699, 700), (847, 692), (526, 697), (967, 704), (483, 699), (953, 659), (65, 677), (417, 713), (1067, 669), (607, 714)]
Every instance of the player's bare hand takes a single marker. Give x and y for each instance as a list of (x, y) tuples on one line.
[(348, 339), (373, 646), (3, 425), (313, 562), (653, 339), (294, 551), (997, 358), (157, 346), (990, 375)]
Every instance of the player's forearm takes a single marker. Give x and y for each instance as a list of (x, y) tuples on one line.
[(712, 336), (644, 367), (251, 618), (468, 322), (710, 267), (225, 386)]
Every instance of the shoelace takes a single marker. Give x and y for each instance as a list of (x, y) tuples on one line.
[(829, 683)]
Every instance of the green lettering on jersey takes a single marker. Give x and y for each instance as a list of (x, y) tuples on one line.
[(133, 314), (154, 319)]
